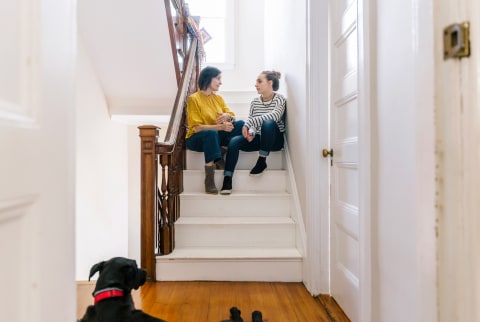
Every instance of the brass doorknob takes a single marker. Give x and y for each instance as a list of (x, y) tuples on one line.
[(327, 153)]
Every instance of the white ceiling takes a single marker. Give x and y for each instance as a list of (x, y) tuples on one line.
[(129, 47)]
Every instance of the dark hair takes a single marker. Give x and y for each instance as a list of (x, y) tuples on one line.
[(274, 76), (206, 76)]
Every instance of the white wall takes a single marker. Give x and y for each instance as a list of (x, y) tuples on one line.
[(249, 47), (101, 175), (285, 50), (134, 216), (129, 48)]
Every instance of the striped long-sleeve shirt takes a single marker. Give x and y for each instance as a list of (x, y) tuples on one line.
[(262, 111)]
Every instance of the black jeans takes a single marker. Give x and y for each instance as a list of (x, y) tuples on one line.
[(270, 139), (210, 141)]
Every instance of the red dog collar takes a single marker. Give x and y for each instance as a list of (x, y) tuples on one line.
[(106, 294)]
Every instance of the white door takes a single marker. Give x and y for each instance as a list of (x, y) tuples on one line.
[(37, 61), (458, 146), (344, 223)]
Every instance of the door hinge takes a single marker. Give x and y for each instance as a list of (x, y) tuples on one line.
[(456, 40)]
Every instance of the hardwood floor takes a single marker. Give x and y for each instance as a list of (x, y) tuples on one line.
[(211, 301)]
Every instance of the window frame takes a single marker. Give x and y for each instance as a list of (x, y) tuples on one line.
[(230, 30)]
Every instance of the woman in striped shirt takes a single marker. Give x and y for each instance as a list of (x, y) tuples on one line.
[(263, 130)]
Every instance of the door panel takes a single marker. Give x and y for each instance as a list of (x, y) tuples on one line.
[(345, 270), (346, 125), (37, 43), (16, 245), (346, 174)]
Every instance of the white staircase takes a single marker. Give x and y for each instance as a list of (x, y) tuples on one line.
[(249, 235)]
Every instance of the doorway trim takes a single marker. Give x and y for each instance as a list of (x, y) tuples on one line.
[(365, 28), (317, 261), (317, 257)]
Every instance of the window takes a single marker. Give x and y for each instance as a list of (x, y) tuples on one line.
[(216, 21)]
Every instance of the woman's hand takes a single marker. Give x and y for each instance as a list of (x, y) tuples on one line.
[(224, 117), (247, 135), (226, 126)]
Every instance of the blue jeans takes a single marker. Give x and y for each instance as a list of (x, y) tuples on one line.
[(271, 139), (210, 141)]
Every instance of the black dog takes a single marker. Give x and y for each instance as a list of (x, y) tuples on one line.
[(112, 294)]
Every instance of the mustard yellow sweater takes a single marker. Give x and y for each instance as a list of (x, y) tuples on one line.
[(202, 110)]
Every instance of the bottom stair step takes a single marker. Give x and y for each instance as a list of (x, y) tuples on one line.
[(227, 264)]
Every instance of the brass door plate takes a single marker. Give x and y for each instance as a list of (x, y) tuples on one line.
[(456, 40)]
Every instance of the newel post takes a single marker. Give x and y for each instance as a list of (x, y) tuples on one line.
[(148, 182)]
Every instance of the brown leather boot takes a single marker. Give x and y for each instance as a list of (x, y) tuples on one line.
[(220, 164), (210, 180)]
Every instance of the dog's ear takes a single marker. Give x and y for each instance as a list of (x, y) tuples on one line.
[(96, 268)]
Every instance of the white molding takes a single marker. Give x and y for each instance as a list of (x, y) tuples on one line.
[(17, 219), (365, 101), (297, 210), (317, 256), (15, 207), (21, 112), (10, 116)]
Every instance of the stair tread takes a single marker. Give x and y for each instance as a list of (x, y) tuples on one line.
[(252, 194), (240, 171), (246, 161), (232, 253), (213, 220)]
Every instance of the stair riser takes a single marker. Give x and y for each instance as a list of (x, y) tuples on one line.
[(225, 206), (229, 270), (246, 160), (270, 181), (238, 235)]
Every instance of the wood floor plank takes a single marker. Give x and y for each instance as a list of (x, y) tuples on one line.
[(211, 301), (332, 308)]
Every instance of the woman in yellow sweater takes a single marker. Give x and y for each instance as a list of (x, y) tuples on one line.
[(211, 123)]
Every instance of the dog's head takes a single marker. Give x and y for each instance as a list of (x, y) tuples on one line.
[(118, 272)]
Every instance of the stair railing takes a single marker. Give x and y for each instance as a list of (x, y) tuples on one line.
[(175, 28), (160, 201)]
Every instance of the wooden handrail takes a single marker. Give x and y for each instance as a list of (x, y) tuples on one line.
[(173, 32), (161, 187), (182, 94)]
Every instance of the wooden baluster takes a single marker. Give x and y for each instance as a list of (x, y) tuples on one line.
[(174, 186), (148, 177), (166, 220)]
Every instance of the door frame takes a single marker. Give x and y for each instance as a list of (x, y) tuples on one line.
[(457, 159), (317, 262), (365, 28)]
